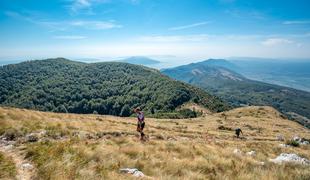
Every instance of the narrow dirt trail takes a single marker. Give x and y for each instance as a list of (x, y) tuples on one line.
[(24, 169)]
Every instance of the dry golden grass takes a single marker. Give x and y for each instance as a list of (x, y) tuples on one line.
[(7, 167), (177, 149)]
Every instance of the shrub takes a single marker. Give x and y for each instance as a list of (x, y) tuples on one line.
[(181, 114), (188, 113), (224, 128), (293, 143), (11, 134)]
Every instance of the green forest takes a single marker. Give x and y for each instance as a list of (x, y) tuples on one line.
[(113, 88)]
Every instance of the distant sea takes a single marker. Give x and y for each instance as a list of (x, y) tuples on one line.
[(10, 62), (161, 65)]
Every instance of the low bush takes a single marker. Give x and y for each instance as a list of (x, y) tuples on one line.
[(11, 134), (180, 114), (224, 128), (293, 143)]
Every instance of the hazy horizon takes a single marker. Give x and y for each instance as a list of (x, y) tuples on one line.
[(164, 62)]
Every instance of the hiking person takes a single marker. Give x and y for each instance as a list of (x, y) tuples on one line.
[(141, 123), (238, 131)]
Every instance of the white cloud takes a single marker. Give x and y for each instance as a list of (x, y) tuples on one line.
[(83, 3), (202, 38), (97, 25), (26, 17), (265, 39), (184, 38), (296, 22), (276, 41), (246, 14), (190, 25), (19, 16), (70, 37), (65, 25), (79, 5)]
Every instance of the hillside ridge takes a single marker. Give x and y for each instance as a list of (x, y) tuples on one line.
[(240, 91), (115, 88)]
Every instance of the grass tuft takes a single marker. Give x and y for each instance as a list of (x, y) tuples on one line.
[(7, 167)]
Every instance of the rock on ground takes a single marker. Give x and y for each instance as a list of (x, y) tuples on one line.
[(251, 153), (294, 158), (8, 147), (27, 166), (284, 145), (305, 143), (237, 151), (32, 137), (296, 138), (135, 172), (300, 140), (262, 163)]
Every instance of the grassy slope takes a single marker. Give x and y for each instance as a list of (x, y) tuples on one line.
[(7, 167), (178, 149)]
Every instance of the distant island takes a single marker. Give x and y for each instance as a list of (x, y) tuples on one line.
[(140, 60)]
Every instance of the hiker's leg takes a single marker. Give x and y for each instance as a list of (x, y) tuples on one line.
[(138, 128), (142, 126), (142, 133)]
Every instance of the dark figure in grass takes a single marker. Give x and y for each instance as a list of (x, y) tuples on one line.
[(141, 123), (238, 131)]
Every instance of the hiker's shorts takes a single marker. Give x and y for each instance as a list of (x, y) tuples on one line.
[(140, 126)]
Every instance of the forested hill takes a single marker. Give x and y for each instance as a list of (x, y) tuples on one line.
[(218, 78), (115, 88)]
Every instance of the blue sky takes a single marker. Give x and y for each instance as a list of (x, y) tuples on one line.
[(179, 29)]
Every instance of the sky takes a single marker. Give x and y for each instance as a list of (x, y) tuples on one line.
[(183, 30)]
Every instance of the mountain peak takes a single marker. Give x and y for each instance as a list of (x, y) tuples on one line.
[(219, 62), (216, 60), (217, 69)]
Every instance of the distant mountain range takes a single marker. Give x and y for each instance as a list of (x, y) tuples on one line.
[(219, 78), (140, 60), (115, 88)]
